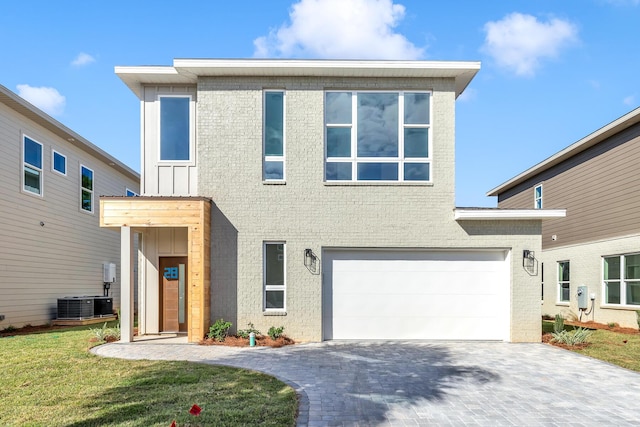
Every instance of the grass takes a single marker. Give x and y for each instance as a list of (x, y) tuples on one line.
[(51, 379)]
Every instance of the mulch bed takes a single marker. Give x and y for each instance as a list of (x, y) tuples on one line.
[(546, 338), (261, 341)]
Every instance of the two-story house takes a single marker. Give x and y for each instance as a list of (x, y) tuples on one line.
[(51, 243), (317, 195), (595, 250)]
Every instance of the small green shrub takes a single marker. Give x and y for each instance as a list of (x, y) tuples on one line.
[(577, 336), (105, 334), (9, 328), (558, 324), (219, 330), (275, 333), (244, 333), (612, 325)]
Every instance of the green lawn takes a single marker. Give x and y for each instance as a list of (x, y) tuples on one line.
[(51, 379)]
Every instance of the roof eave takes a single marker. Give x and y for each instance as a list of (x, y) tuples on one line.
[(508, 214)]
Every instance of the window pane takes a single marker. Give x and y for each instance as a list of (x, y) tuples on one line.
[(563, 271), (174, 128), (86, 200), (274, 254), (633, 293), (32, 153), (416, 142), (632, 266), (31, 180), (338, 105), (564, 292), (338, 171), (612, 268), (416, 108), (273, 123), (538, 191), (416, 171), (338, 142), (273, 170), (612, 292), (378, 124), (275, 299), (87, 178), (377, 171), (59, 163)]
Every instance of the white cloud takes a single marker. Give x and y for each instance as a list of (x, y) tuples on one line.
[(340, 29), (629, 100), (47, 99), (520, 42), (83, 59)]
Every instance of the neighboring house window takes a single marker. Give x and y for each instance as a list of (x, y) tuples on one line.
[(274, 275), (86, 192), (131, 193), (274, 146), (32, 166), (378, 136), (537, 192), (175, 128), (621, 279), (58, 162), (564, 293), (542, 278)]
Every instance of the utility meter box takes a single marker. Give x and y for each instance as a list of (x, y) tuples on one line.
[(583, 297), (108, 272)]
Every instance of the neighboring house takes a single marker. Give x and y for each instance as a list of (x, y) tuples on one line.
[(597, 245), (318, 196), (52, 245)]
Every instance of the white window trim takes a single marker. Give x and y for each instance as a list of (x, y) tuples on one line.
[(265, 287), (560, 283), (93, 182), (192, 137), (536, 198), (25, 164), (282, 158), (400, 160), (53, 157), (623, 284), (128, 190)]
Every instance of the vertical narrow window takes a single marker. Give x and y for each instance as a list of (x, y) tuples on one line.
[(58, 162), (86, 190), (274, 137), (32, 166), (175, 128), (537, 195), (274, 276), (542, 278), (564, 292), (632, 279), (611, 270)]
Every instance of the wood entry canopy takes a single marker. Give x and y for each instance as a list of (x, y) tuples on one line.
[(193, 213)]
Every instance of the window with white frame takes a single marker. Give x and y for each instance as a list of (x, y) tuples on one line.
[(58, 162), (31, 166), (564, 289), (378, 136), (621, 279), (273, 139), (274, 276), (86, 190), (130, 193), (175, 128), (537, 197)]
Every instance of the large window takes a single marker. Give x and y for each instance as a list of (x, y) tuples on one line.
[(32, 166), (378, 136), (621, 279), (273, 144), (86, 190), (564, 289), (537, 197), (58, 162), (175, 128), (274, 276)]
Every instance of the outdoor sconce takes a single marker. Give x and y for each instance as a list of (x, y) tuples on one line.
[(311, 261), (528, 259)]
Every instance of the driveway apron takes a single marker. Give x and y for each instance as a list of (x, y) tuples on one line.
[(430, 383)]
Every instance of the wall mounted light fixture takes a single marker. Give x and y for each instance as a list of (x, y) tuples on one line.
[(311, 261)]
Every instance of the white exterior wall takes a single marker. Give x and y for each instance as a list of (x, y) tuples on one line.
[(585, 263), (39, 264)]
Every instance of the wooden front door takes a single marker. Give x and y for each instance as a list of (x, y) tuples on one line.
[(173, 294)]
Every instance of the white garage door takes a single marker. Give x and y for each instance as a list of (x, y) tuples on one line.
[(416, 295)]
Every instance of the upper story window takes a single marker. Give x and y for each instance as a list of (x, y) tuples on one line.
[(564, 288), (86, 190), (175, 128), (130, 193), (537, 196), (31, 166), (621, 279), (273, 139), (378, 136), (58, 162)]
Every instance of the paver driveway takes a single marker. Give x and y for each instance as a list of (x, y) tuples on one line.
[(344, 383)]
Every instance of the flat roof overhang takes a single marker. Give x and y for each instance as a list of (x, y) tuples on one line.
[(493, 214)]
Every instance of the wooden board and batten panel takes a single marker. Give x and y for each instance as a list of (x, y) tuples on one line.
[(598, 187)]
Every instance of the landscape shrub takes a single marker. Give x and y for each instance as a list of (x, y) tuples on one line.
[(219, 330), (275, 333)]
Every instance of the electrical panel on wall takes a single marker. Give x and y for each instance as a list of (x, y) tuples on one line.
[(108, 272)]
